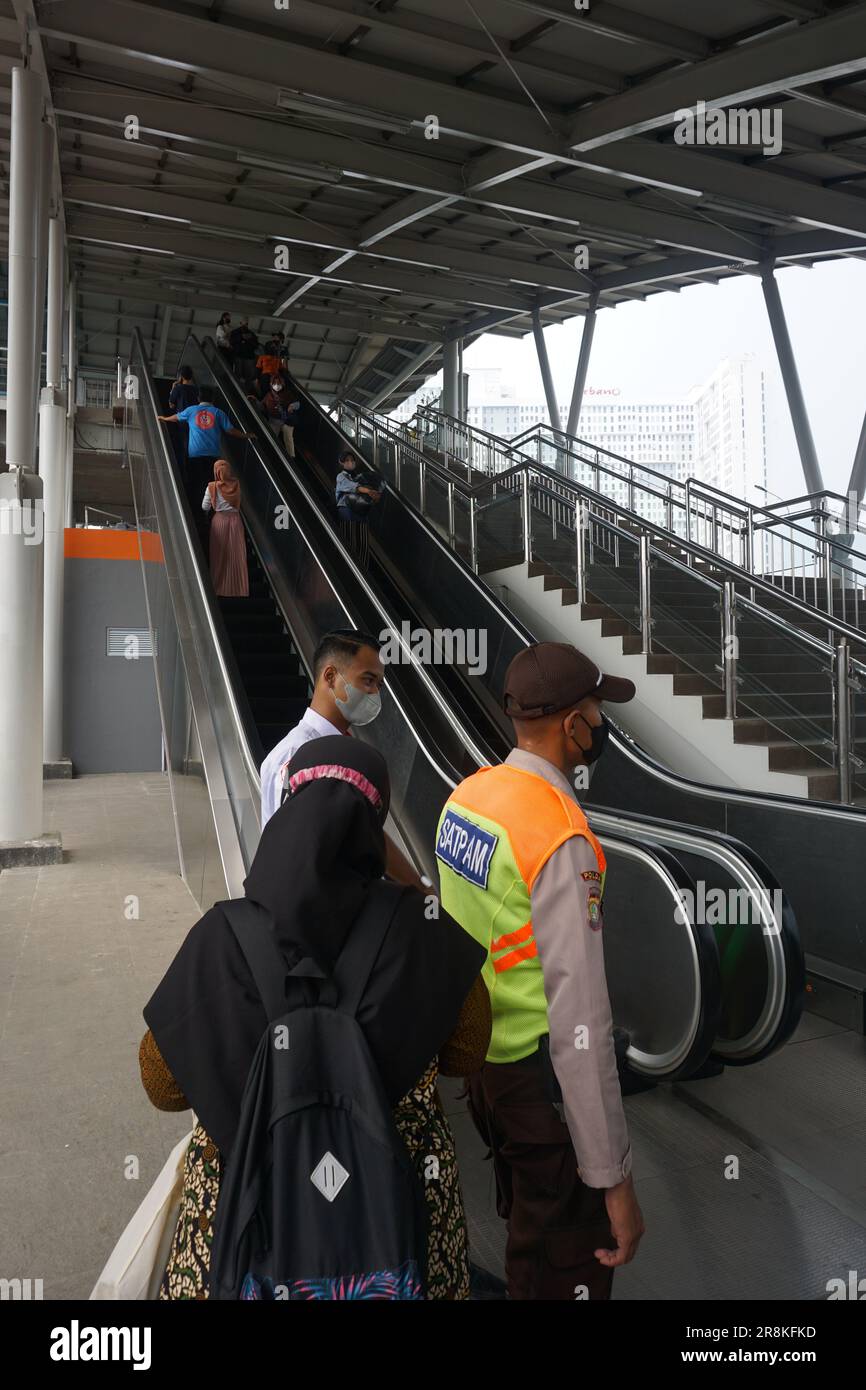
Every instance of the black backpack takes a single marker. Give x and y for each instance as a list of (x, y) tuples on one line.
[(318, 1197)]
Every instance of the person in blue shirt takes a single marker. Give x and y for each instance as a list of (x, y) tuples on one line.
[(207, 426), (184, 392), (354, 499)]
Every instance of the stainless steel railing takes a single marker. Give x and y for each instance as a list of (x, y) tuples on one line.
[(596, 523)]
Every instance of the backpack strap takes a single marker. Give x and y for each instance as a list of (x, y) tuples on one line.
[(358, 957), (251, 925)]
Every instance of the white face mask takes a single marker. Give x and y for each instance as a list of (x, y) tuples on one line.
[(357, 707)]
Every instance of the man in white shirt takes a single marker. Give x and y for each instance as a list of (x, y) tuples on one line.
[(348, 677)]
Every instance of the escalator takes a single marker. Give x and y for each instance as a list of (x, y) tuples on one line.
[(309, 584), (813, 849), (421, 582)]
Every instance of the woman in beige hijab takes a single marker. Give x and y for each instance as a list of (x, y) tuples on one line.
[(228, 547)]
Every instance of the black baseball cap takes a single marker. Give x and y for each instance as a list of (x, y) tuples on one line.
[(550, 676)]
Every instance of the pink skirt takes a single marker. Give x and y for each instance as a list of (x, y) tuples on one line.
[(228, 555)]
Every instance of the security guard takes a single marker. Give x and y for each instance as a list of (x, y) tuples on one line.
[(523, 873)]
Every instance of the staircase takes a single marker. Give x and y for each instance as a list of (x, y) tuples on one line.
[(784, 725), (272, 674)]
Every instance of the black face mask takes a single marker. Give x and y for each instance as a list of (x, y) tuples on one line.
[(599, 737)]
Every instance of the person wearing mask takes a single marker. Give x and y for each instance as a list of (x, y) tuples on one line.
[(227, 548), (354, 498), (348, 676), (223, 340), (424, 1010), (245, 347), (522, 871), (268, 365), (281, 413), (184, 392), (208, 426)]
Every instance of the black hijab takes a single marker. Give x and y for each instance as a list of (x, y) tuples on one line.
[(320, 861)]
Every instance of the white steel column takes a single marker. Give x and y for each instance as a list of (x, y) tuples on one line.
[(44, 212), (52, 469), (451, 379), (20, 489), (791, 378)]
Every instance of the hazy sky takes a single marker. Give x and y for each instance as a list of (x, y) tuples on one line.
[(658, 349)]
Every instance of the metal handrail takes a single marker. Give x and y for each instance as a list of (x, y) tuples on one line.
[(566, 491), (585, 493), (688, 490)]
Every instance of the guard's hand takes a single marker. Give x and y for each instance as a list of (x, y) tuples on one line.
[(626, 1224)]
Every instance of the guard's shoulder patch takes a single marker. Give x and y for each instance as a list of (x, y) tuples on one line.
[(465, 847), (591, 875), (593, 909)]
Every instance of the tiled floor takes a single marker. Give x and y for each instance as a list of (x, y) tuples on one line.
[(76, 967)]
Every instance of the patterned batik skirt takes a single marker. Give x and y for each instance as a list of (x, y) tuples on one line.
[(424, 1129)]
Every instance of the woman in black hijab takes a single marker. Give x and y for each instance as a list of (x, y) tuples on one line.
[(320, 861)]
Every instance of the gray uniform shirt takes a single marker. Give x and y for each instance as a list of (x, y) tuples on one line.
[(567, 925)]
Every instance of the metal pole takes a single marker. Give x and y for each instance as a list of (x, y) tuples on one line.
[(44, 210), (71, 383), (20, 489), (645, 596), (729, 648), (22, 385), (582, 366), (843, 720), (54, 327), (580, 550), (527, 520), (119, 379), (473, 536), (791, 378), (451, 534), (52, 470), (857, 481), (546, 374)]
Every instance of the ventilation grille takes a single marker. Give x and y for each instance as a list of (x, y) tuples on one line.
[(133, 643)]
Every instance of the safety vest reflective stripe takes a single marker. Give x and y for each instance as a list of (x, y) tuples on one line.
[(513, 938), (515, 957)]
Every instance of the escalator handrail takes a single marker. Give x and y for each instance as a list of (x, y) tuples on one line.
[(229, 386), (206, 601)]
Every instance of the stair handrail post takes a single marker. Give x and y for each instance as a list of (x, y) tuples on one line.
[(527, 520), (451, 531), (730, 648), (646, 619), (473, 535), (580, 549), (422, 486), (689, 557), (842, 703)]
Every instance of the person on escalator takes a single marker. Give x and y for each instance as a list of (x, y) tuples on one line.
[(228, 544), (355, 499), (281, 413), (521, 870), (184, 392), (208, 426), (348, 676), (245, 346), (268, 365)]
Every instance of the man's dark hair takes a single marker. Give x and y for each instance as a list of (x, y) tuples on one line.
[(347, 454), (342, 644), (186, 373)]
